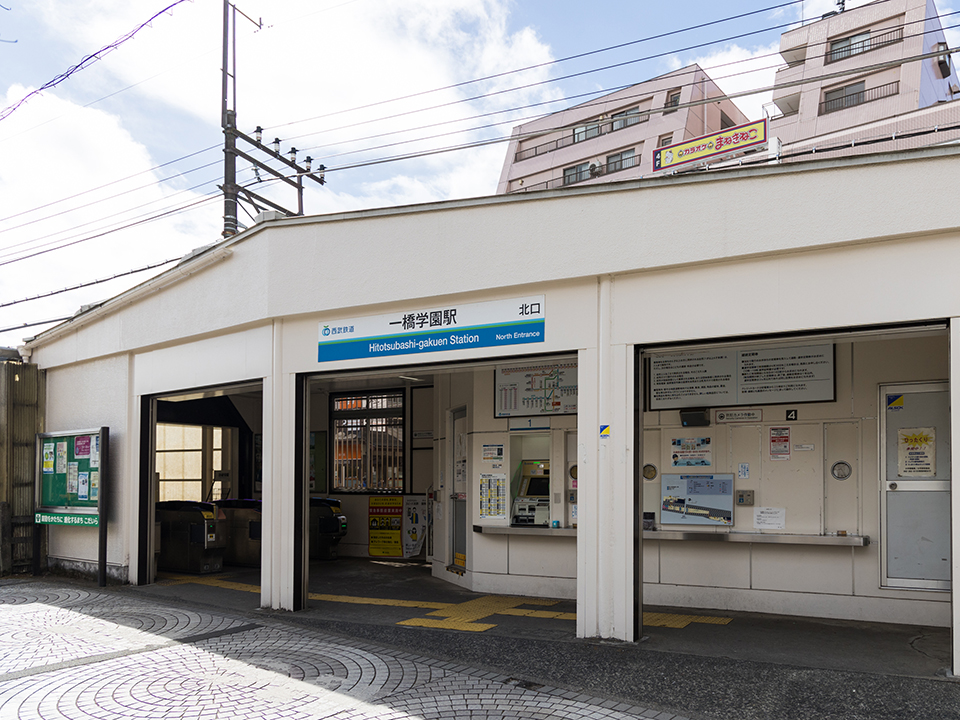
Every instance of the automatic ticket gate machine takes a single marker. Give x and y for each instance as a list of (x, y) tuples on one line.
[(193, 536), (244, 520), (531, 506)]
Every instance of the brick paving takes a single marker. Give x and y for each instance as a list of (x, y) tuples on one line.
[(81, 653)]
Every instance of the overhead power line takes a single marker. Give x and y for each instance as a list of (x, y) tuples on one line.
[(89, 284), (86, 61)]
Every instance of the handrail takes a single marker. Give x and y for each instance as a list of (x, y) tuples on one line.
[(574, 178), (859, 98), (604, 128), (871, 43)]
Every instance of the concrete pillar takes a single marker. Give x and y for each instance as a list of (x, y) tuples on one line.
[(955, 496), (605, 567)]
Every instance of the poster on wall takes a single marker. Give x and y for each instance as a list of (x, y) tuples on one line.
[(917, 452), (696, 499), (746, 376), (779, 443), (414, 524), (535, 389), (493, 495), (690, 452), (385, 535)]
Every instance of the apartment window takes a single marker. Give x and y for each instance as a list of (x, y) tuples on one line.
[(626, 118), (665, 140), (585, 132), (847, 96), (673, 99), (576, 173), (368, 442), (725, 122), (621, 160), (853, 45)]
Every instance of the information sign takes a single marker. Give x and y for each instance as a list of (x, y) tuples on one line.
[(696, 500), (746, 376), (536, 389), (385, 537)]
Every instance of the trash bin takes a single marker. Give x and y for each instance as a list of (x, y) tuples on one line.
[(327, 526), (192, 536), (244, 521)]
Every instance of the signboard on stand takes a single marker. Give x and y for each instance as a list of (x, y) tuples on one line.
[(70, 484)]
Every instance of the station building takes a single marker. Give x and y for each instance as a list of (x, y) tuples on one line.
[(728, 390)]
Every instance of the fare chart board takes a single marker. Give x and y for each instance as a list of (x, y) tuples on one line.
[(536, 389)]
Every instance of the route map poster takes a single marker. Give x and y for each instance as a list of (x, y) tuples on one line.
[(696, 499), (535, 389)]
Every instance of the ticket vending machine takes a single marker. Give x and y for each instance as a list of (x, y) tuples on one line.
[(531, 506)]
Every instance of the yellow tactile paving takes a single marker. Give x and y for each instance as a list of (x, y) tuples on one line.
[(353, 600), (454, 616), (464, 616), (670, 620)]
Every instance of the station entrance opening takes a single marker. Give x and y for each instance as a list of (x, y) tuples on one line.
[(443, 465), (802, 476)]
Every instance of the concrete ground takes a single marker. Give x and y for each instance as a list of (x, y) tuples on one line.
[(385, 639)]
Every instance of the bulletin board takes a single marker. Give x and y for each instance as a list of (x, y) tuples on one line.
[(70, 476)]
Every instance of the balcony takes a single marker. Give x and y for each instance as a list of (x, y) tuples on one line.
[(604, 128), (867, 44), (859, 98), (574, 178)]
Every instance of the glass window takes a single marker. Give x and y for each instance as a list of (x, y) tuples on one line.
[(673, 99), (621, 160), (585, 132), (847, 96), (626, 118), (665, 140), (368, 442), (853, 45), (576, 173)]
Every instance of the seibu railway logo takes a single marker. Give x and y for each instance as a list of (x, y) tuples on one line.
[(711, 147)]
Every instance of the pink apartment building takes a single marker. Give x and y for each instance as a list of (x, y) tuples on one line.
[(864, 79), (871, 79), (613, 137)]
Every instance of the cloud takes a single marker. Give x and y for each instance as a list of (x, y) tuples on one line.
[(302, 77)]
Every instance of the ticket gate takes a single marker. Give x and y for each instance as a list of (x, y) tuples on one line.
[(327, 527), (244, 522), (192, 536)]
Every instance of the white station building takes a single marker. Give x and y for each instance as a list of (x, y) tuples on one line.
[(726, 390)]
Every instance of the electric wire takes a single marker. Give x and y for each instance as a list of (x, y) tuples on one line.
[(579, 55), (89, 283), (86, 61)]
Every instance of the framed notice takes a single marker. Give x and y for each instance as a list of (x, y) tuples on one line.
[(535, 389), (71, 481), (696, 500), (741, 376)]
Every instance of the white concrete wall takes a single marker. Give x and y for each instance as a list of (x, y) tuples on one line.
[(676, 259)]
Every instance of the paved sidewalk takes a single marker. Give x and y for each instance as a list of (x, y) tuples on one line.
[(71, 651)]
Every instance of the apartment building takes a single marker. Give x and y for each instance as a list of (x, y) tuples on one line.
[(613, 137), (880, 74)]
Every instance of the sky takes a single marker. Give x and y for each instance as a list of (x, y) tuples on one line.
[(116, 167)]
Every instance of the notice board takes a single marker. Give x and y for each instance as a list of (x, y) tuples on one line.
[(70, 476)]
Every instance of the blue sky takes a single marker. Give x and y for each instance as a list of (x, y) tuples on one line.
[(81, 159)]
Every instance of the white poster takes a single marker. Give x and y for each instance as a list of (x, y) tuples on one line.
[(414, 524), (779, 443), (769, 518), (917, 452)]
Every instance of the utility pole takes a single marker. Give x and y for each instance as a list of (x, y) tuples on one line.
[(232, 192)]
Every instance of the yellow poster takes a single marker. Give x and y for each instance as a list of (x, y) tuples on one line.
[(711, 147), (385, 527)]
